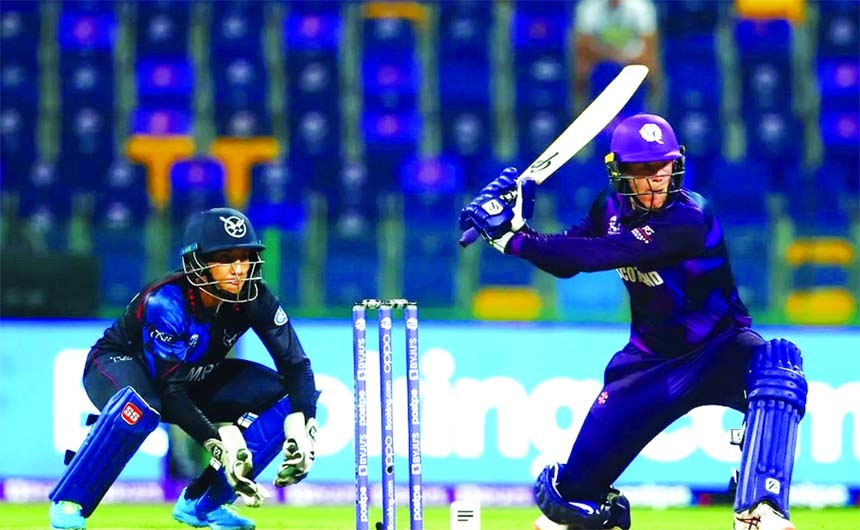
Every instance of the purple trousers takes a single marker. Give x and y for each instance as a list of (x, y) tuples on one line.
[(642, 395)]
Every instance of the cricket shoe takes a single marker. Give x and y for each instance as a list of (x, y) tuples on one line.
[(223, 517), (762, 516), (544, 523), (67, 515)]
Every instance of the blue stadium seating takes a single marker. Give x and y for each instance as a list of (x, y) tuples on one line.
[(240, 82), (118, 241), (537, 129), (388, 37), (312, 79), (160, 121), (390, 84), (467, 135), (839, 83), (235, 30), (165, 83), (541, 80), (163, 28), (22, 25), (539, 29), (91, 32), (838, 28), (389, 139), (45, 205), (315, 136), (18, 138), (464, 31), (196, 184)]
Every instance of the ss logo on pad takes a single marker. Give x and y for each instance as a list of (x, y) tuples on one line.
[(131, 414)]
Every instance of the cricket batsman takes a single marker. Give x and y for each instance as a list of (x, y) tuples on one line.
[(691, 342)]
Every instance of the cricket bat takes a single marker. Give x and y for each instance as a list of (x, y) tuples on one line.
[(581, 131)]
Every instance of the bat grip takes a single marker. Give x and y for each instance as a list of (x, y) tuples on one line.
[(469, 236)]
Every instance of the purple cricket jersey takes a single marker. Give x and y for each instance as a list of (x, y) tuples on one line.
[(673, 262)]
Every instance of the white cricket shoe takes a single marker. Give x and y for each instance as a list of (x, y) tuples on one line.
[(544, 523), (762, 516)]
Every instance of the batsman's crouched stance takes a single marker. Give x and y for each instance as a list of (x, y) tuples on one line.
[(165, 360), (691, 341)]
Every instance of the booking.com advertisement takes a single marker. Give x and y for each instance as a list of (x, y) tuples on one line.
[(498, 402)]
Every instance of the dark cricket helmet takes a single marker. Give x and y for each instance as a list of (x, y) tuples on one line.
[(217, 229)]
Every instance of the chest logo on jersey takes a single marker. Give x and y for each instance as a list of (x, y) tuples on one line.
[(281, 317), (199, 373), (634, 275), (229, 339), (643, 234), (613, 229), (193, 340)]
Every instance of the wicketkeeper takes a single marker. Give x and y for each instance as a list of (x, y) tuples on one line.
[(690, 338), (165, 360)]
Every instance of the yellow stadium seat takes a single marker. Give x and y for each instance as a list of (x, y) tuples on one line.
[(158, 153), (506, 303), (831, 306), (409, 10), (792, 10), (238, 155), (820, 251)]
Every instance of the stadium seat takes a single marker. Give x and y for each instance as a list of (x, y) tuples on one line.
[(312, 79), (165, 83), (18, 137), (322, 31), (464, 31), (196, 184), (838, 29), (538, 30), (390, 84), (389, 139), (240, 82), (45, 207), (394, 38), (118, 235), (22, 27), (234, 30), (90, 32), (163, 28), (541, 80), (87, 80), (160, 122)]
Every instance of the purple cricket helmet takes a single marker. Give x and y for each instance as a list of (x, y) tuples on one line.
[(644, 138)]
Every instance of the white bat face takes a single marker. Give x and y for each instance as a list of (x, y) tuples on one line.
[(589, 123)]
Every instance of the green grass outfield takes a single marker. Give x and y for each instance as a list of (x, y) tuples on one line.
[(281, 517)]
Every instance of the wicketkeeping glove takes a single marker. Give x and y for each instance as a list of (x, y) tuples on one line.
[(299, 451), (231, 453)]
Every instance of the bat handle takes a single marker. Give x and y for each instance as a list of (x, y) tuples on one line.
[(469, 236)]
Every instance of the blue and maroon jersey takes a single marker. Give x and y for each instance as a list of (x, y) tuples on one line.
[(167, 329), (673, 262)]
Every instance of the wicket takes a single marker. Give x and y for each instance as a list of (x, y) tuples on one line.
[(386, 396)]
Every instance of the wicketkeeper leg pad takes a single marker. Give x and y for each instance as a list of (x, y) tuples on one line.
[(614, 512), (264, 435), (117, 434), (776, 390)]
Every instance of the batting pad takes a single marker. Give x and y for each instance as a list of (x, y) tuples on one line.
[(265, 438), (777, 391), (123, 425)]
